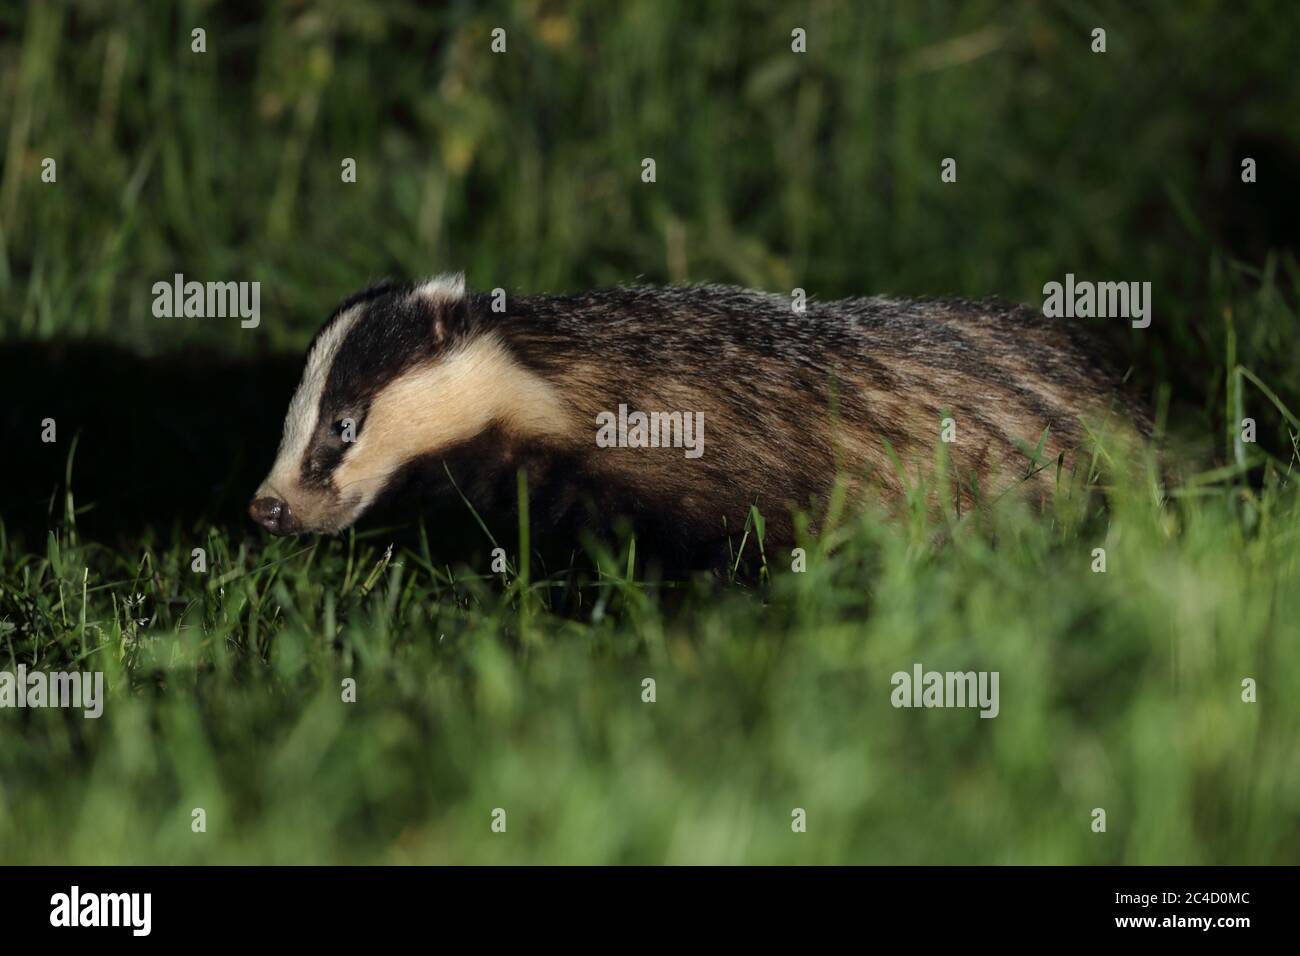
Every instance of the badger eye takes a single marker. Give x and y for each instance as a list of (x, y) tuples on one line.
[(345, 429)]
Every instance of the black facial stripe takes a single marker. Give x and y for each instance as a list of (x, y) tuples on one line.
[(384, 287), (392, 333), (319, 464), (327, 448)]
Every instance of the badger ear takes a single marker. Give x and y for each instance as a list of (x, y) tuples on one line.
[(444, 297)]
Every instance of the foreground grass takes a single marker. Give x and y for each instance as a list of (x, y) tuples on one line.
[(1119, 690)]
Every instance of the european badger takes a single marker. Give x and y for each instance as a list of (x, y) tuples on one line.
[(409, 383)]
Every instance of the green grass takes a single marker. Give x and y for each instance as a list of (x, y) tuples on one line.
[(1119, 690), (523, 691)]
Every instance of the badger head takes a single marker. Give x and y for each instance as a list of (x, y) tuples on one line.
[(399, 373)]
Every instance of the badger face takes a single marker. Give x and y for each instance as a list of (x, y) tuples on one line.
[(399, 373)]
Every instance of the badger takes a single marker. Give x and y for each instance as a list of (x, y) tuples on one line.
[(679, 409)]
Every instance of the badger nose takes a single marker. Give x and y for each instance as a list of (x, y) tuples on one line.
[(274, 515)]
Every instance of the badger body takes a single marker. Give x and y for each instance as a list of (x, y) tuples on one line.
[(408, 385)]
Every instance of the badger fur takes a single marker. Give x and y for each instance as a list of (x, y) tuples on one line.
[(427, 380)]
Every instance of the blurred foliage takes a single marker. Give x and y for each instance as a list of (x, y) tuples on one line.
[(774, 169)]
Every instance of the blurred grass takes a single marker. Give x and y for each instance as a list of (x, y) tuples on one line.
[(774, 170), (1119, 690)]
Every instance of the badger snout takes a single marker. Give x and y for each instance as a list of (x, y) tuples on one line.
[(274, 515)]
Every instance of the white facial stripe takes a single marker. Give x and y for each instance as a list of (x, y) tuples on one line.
[(304, 408), (435, 407), (449, 286)]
